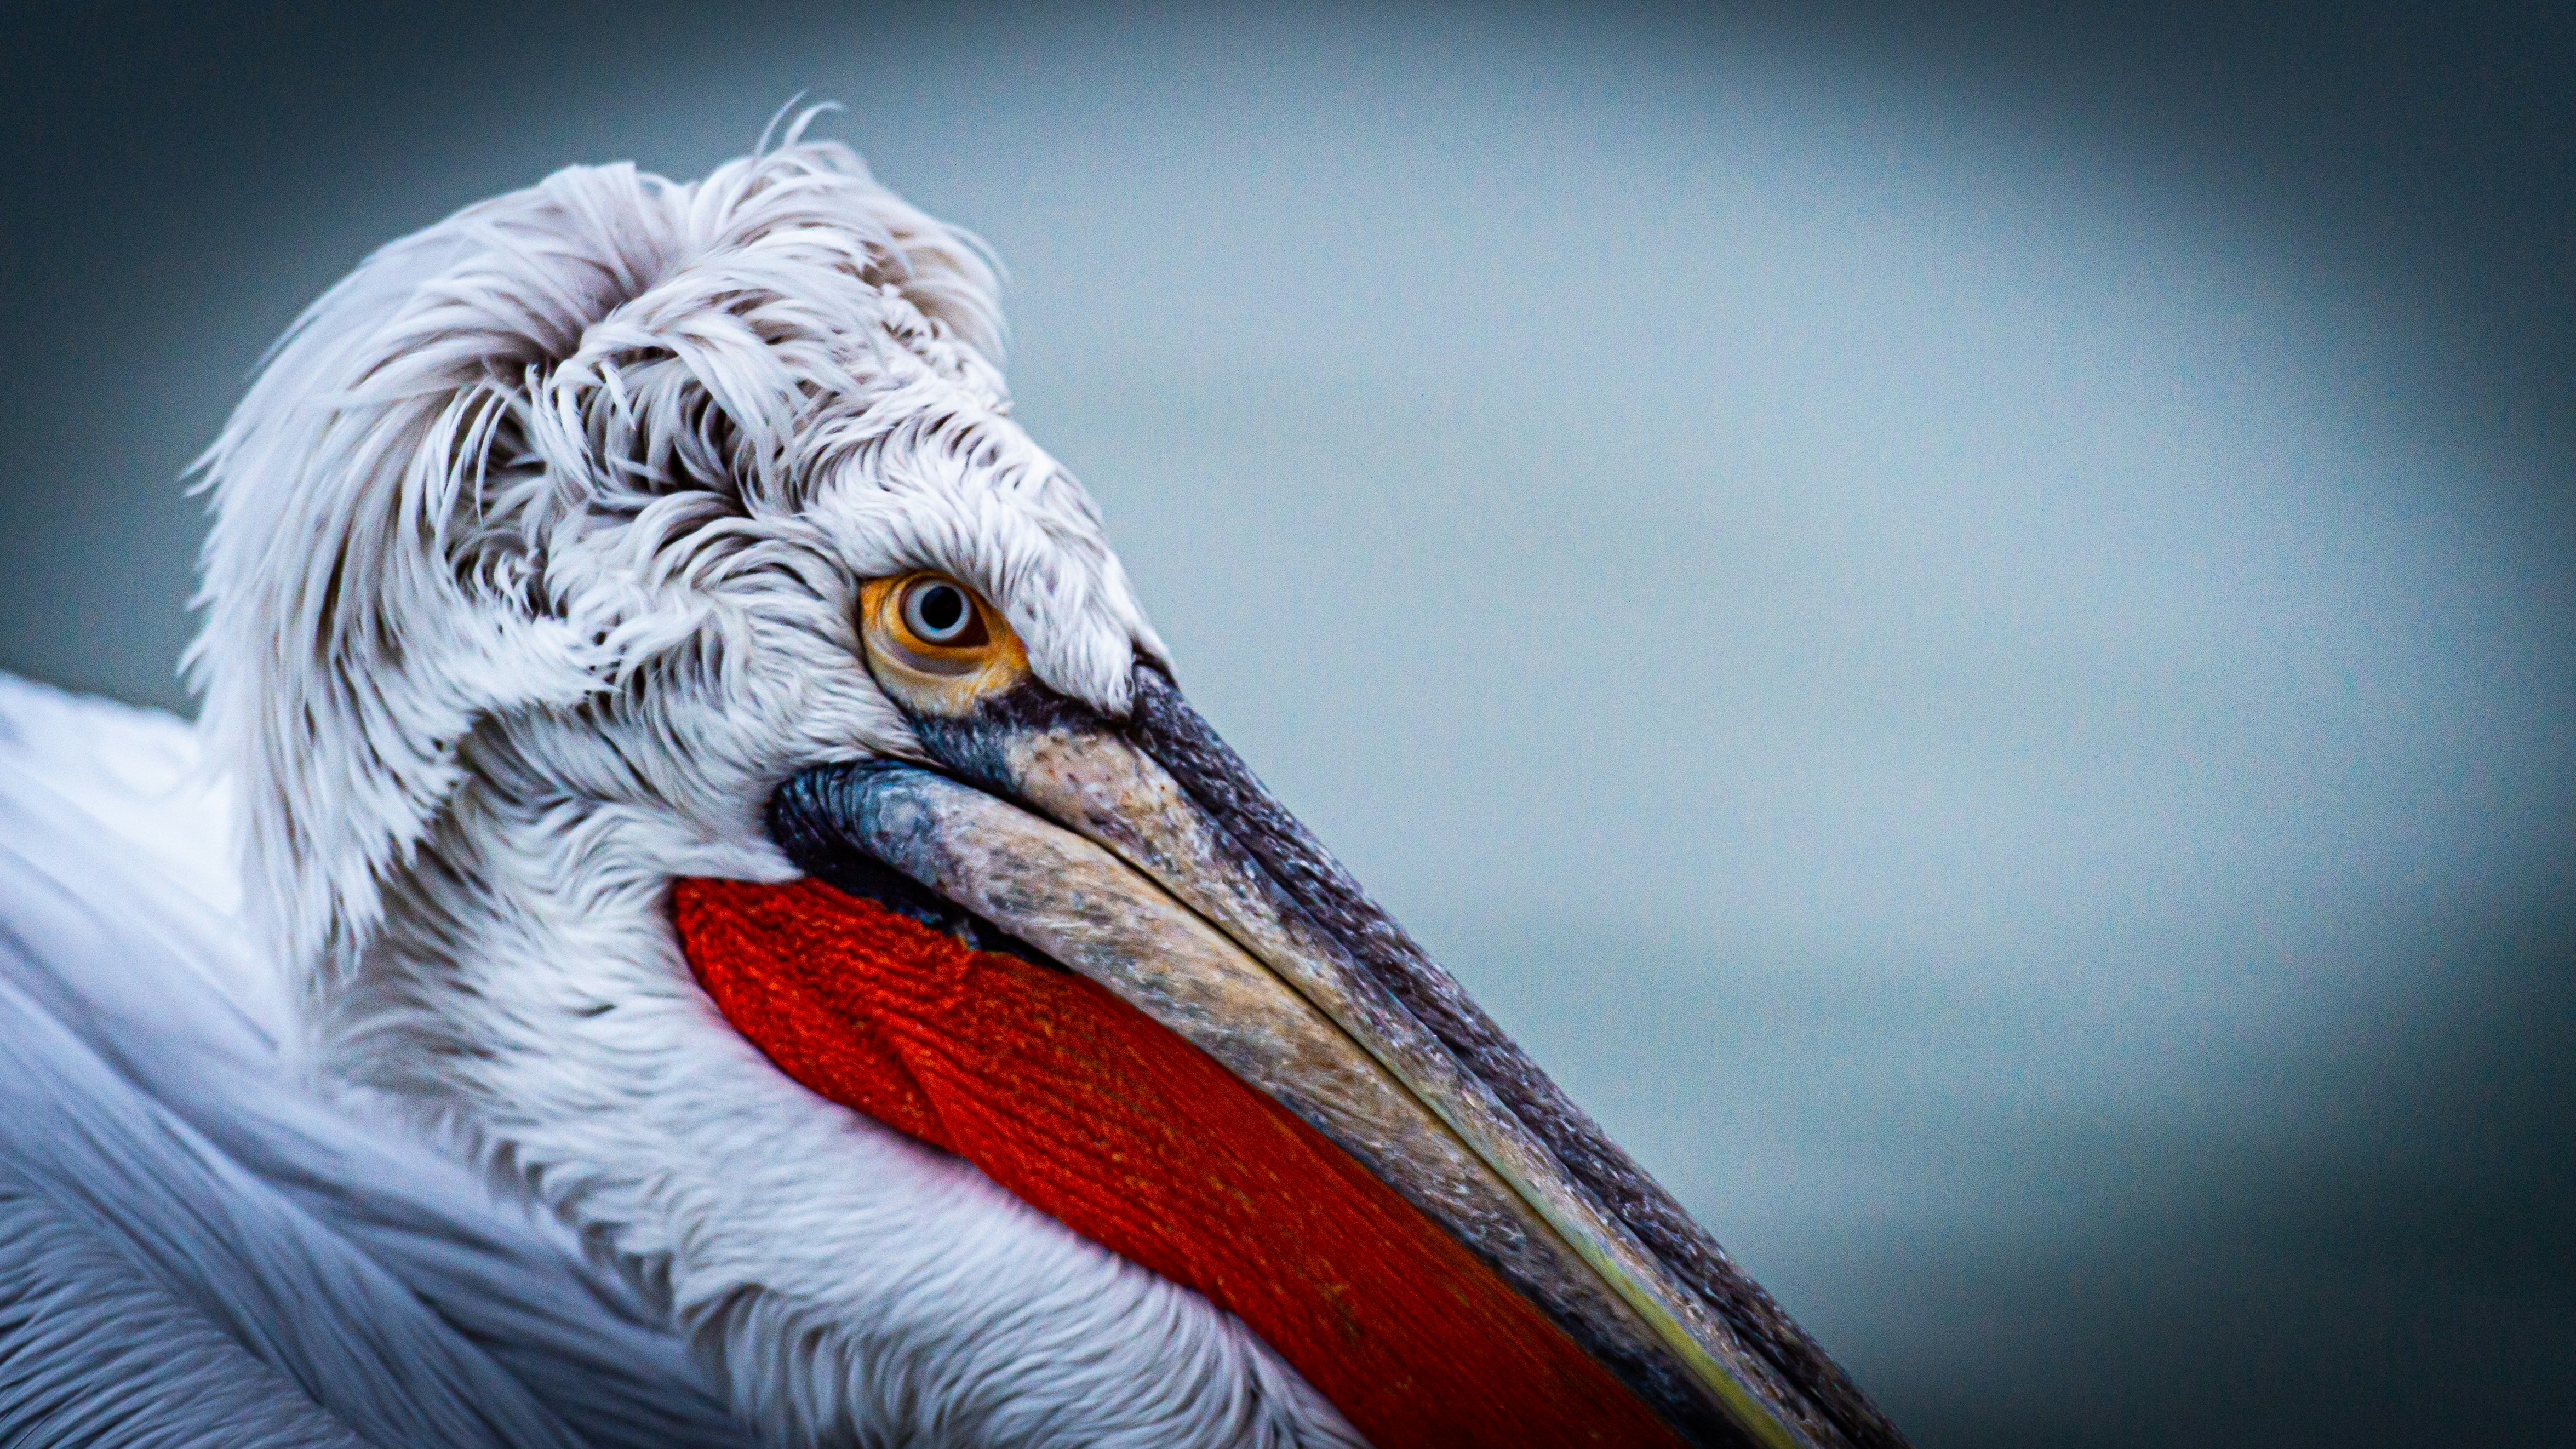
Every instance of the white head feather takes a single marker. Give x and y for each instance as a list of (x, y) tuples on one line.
[(534, 571)]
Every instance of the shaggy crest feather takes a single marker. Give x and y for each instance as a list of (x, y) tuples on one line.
[(536, 553), (475, 396)]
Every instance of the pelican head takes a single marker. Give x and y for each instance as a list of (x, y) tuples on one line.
[(701, 759)]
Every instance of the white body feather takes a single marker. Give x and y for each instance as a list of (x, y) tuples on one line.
[(195, 1244)]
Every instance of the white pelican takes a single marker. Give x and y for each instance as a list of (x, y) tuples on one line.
[(696, 767)]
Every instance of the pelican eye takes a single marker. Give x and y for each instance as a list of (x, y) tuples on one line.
[(935, 644), (939, 613)]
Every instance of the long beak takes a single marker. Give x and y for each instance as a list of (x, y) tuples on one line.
[(1143, 854)]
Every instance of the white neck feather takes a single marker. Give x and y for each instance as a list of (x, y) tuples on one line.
[(527, 1000)]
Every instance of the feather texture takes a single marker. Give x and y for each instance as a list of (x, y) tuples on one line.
[(191, 1237)]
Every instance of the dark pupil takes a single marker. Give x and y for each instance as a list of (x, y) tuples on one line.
[(941, 609)]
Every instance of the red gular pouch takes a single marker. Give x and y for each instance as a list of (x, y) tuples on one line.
[(1100, 1117)]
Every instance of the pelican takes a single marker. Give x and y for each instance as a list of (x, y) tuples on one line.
[(697, 912)]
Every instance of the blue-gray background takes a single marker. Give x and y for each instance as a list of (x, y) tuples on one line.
[(1969, 626)]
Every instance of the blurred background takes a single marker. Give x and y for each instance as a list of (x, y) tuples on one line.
[(1967, 624)]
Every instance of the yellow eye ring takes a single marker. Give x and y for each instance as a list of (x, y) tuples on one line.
[(934, 644)]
